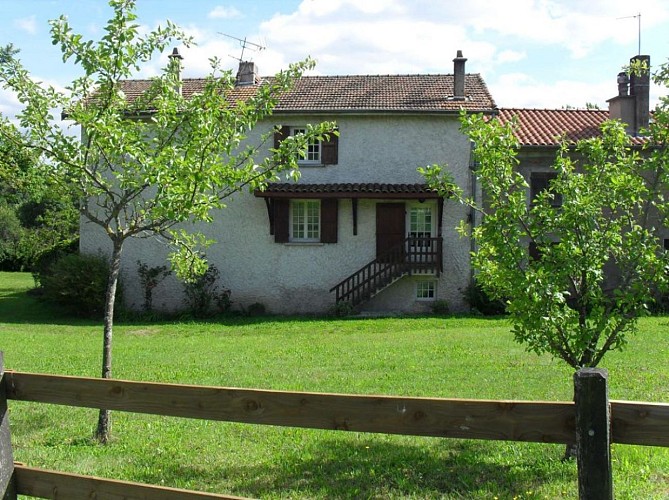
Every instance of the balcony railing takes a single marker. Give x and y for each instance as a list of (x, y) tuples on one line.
[(416, 255)]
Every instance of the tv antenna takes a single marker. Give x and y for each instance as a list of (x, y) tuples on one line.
[(638, 17), (245, 44)]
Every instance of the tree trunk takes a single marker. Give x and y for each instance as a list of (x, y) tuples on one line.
[(103, 431)]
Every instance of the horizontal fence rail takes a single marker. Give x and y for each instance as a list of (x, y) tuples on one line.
[(529, 421), (44, 483), (454, 418)]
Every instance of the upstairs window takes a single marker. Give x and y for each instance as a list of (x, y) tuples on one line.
[(420, 222), (313, 152), (317, 153), (540, 182)]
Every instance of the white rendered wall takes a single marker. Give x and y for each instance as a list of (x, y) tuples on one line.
[(296, 278)]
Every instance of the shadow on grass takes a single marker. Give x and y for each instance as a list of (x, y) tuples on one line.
[(456, 469)]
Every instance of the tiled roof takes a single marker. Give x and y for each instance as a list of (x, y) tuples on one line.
[(347, 190), (366, 93), (547, 127)]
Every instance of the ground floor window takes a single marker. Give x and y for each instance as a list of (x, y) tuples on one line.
[(305, 216), (426, 290)]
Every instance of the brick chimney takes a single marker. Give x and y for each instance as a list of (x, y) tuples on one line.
[(247, 73), (459, 76), (632, 104)]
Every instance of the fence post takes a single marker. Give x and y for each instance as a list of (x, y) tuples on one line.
[(593, 434), (7, 486)]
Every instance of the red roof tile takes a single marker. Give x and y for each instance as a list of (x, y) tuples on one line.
[(366, 93), (547, 127), (347, 190)]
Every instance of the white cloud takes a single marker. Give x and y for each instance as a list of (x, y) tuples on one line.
[(518, 90), (222, 12), (9, 103), (27, 24)]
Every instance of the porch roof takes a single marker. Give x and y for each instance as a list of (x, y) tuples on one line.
[(348, 190)]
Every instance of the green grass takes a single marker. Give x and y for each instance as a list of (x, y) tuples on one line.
[(454, 357)]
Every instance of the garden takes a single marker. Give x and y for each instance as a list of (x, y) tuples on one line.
[(430, 356)]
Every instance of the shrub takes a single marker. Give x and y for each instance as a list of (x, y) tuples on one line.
[(440, 307), (479, 301), (256, 309), (341, 309), (203, 298), (78, 284), (150, 278)]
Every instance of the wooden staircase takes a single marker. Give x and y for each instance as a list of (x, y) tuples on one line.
[(414, 255)]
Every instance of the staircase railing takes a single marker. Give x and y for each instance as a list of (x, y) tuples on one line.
[(414, 254)]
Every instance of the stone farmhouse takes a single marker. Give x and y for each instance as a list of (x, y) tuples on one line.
[(361, 226)]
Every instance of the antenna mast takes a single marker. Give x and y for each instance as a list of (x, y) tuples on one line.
[(638, 17), (245, 44)]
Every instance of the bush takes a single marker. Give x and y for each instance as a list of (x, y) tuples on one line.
[(479, 301), (203, 297), (149, 279), (341, 309), (256, 309), (440, 307), (78, 284)]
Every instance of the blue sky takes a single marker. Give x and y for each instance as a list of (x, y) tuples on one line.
[(531, 53)]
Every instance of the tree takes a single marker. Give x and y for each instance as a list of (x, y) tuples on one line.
[(37, 217), (155, 165), (598, 260)]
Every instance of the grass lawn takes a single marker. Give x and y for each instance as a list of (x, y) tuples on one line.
[(415, 356)]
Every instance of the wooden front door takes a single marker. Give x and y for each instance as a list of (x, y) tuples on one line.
[(390, 226)]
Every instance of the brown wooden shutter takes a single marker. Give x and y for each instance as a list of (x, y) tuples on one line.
[(329, 217), (330, 151), (281, 209), (280, 134)]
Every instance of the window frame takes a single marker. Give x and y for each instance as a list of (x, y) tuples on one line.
[(304, 229), (432, 215), (429, 294), (313, 148), (544, 179)]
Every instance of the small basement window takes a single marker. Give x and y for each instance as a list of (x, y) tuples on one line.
[(426, 290)]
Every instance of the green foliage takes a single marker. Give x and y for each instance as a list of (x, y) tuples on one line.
[(341, 309), (479, 301), (77, 284), (440, 307), (256, 309), (36, 217), (600, 263), (11, 234), (203, 296), (150, 278)]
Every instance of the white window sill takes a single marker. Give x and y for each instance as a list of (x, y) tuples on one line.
[(304, 244)]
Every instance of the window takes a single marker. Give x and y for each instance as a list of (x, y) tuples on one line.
[(420, 225), (318, 153), (540, 182), (426, 290), (420, 222), (305, 220), (313, 152), (300, 220)]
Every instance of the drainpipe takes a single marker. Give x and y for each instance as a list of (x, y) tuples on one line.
[(473, 166)]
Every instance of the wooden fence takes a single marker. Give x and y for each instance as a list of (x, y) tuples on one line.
[(593, 421)]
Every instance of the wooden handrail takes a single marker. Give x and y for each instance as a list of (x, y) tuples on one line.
[(413, 254)]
